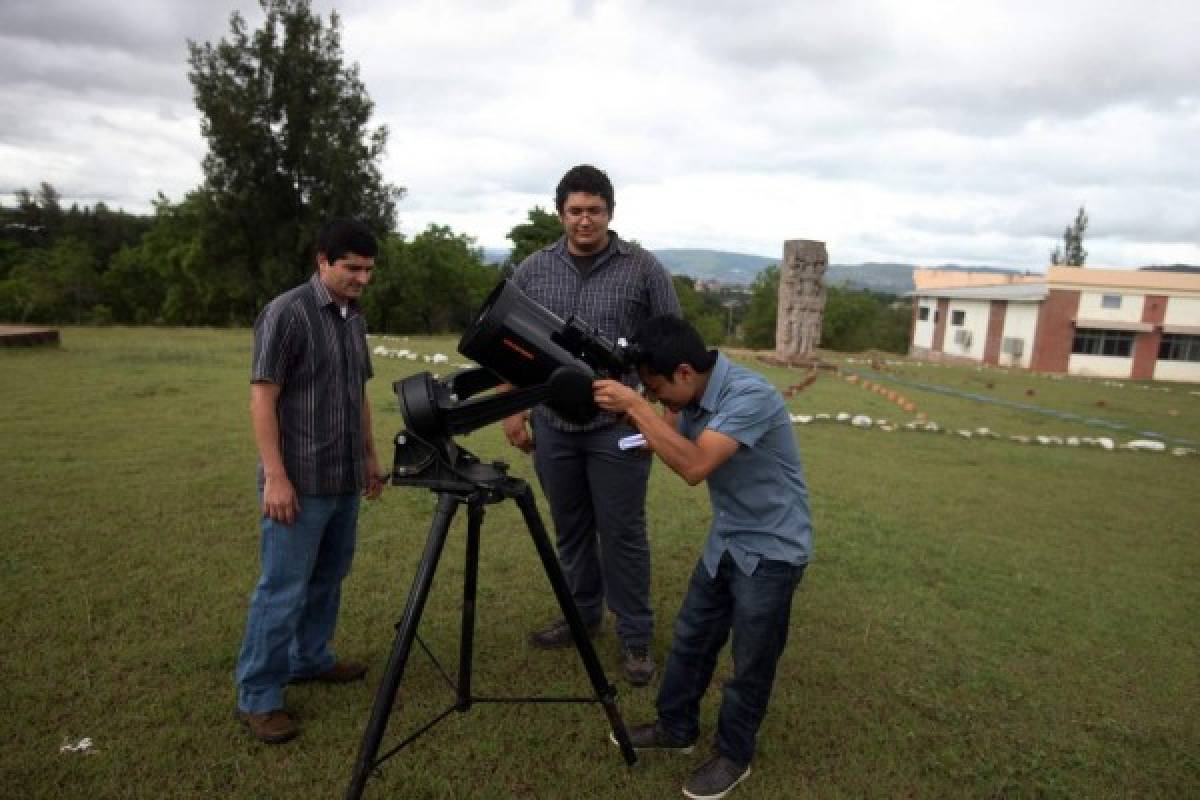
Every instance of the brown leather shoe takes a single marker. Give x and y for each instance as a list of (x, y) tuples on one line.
[(272, 727), (341, 672)]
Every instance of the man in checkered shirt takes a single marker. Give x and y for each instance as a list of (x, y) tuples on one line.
[(596, 490)]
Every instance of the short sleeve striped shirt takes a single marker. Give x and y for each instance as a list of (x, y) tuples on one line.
[(624, 287), (319, 358)]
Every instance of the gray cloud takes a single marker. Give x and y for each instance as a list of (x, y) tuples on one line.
[(916, 131)]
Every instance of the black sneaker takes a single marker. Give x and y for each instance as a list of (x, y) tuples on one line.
[(714, 778), (638, 664), (558, 634), (651, 736)]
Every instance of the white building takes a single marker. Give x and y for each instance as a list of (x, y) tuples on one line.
[(1139, 324)]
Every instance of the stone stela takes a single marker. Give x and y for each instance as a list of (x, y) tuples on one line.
[(801, 300)]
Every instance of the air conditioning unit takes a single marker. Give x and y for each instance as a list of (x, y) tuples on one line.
[(1012, 346), (962, 337)]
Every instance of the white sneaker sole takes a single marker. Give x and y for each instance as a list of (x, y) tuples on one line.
[(719, 795)]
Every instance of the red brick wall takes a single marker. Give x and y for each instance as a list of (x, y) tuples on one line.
[(1145, 345), (1055, 331), (995, 331), (912, 326), (939, 329)]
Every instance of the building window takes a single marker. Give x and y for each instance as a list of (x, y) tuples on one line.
[(1110, 301), (923, 314), (1179, 347), (1090, 342), (958, 317)]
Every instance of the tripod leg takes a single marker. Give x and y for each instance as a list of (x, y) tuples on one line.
[(406, 632), (605, 692), (466, 648)]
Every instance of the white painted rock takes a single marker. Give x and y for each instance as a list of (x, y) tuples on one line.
[(861, 421), (1145, 444)]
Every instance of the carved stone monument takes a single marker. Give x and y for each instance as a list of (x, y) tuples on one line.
[(801, 300)]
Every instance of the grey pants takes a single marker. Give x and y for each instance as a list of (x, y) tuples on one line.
[(597, 497)]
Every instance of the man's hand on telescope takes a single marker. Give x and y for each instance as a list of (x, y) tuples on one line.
[(617, 397), (516, 430)]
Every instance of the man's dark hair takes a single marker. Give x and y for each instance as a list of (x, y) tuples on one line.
[(584, 178), (663, 343), (343, 235)]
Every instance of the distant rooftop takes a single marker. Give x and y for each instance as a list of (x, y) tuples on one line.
[(1012, 292)]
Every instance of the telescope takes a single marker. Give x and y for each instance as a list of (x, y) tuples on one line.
[(542, 359), (518, 342)]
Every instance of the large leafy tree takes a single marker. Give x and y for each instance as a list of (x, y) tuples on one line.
[(431, 284), (542, 229), (289, 145)]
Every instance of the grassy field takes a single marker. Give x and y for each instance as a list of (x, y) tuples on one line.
[(982, 618)]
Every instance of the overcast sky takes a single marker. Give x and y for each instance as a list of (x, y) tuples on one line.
[(917, 131)]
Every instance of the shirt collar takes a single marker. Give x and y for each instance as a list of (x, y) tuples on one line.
[(616, 245), (324, 298), (716, 378)]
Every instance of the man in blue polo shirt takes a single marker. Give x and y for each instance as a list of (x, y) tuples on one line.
[(726, 425)]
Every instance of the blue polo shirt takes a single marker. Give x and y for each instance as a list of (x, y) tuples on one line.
[(759, 497)]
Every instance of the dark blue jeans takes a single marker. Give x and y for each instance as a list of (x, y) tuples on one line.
[(294, 609), (597, 497), (757, 608)]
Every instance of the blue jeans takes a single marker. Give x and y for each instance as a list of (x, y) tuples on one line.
[(597, 497), (294, 609), (757, 607)]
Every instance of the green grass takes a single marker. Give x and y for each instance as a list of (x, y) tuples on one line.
[(982, 618)]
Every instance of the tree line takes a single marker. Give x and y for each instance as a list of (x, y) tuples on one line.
[(290, 144)]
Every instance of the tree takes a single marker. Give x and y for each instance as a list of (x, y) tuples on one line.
[(758, 326), (287, 125), (432, 284), (702, 310), (1072, 254), (543, 228)]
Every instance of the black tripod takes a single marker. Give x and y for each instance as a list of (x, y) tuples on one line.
[(467, 481)]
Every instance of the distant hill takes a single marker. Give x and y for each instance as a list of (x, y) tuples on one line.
[(714, 265), (741, 268)]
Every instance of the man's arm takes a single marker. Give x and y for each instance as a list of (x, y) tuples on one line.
[(280, 502), (692, 461), (374, 473), (516, 427)]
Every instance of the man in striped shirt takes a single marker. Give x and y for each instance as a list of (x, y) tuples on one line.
[(596, 490), (312, 425)]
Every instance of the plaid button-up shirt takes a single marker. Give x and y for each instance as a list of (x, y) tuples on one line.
[(624, 287), (319, 358)]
